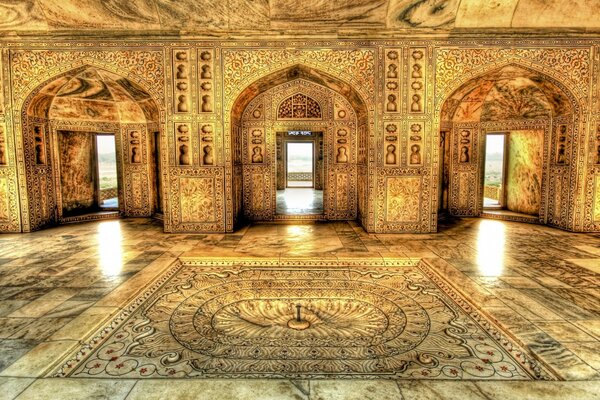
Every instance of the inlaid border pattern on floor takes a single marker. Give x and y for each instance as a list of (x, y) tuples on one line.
[(358, 318)]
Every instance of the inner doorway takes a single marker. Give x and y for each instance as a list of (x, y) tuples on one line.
[(108, 186), (513, 172), (299, 192), (494, 173), (88, 173)]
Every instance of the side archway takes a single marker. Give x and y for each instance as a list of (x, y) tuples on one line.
[(536, 114), (61, 118)]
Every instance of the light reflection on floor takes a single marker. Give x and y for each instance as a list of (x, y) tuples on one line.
[(299, 201), (109, 240), (491, 239)]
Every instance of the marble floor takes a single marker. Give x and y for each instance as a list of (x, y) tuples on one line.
[(299, 201), (59, 286)]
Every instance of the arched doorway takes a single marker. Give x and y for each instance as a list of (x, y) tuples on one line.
[(529, 116), (70, 123), (294, 106)]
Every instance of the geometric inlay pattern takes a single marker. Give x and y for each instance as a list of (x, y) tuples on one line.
[(328, 319)]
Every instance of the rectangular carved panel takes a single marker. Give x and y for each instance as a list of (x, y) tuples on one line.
[(197, 199), (4, 197), (597, 199), (403, 199)]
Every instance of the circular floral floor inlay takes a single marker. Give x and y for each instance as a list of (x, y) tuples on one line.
[(211, 321)]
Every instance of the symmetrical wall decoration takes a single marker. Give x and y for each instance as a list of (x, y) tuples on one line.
[(386, 102), (197, 201), (182, 70), (393, 71), (321, 116), (418, 70), (184, 154), (207, 144), (392, 144), (416, 140), (205, 80)]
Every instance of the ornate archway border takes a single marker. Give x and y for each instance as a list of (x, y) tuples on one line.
[(27, 81), (355, 69), (574, 92)]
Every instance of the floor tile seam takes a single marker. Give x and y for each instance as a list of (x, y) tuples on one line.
[(26, 387)]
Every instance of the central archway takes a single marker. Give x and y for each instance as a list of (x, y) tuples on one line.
[(261, 114)]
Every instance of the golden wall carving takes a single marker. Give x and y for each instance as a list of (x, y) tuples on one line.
[(299, 105), (204, 137)]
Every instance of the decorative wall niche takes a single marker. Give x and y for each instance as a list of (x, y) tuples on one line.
[(206, 80), (415, 144), (393, 68), (182, 71), (183, 138), (417, 78), (562, 144), (208, 155), (134, 139), (391, 147), (39, 147)]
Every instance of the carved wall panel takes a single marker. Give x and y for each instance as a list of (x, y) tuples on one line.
[(403, 200), (197, 202), (464, 170), (392, 144), (392, 73), (416, 142), (418, 70), (324, 115), (183, 70), (138, 190), (206, 81)]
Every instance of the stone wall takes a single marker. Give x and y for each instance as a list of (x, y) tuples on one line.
[(402, 91)]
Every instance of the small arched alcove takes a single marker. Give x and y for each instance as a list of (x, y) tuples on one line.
[(506, 142), (305, 106), (90, 140)]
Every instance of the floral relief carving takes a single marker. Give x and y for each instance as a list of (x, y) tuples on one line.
[(34, 66), (197, 199), (241, 67), (570, 63), (403, 198)]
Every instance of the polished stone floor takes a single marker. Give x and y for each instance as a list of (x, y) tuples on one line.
[(299, 201), (58, 286)]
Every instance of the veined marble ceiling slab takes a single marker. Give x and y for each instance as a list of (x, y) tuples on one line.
[(205, 16)]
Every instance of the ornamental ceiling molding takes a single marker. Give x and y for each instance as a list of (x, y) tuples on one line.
[(571, 67), (30, 68), (243, 67)]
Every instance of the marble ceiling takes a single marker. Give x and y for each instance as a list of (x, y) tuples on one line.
[(222, 16)]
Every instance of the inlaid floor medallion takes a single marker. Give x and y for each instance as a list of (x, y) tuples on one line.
[(316, 319)]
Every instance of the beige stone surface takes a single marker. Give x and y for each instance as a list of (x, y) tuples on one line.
[(12, 387), (40, 359), (217, 389), (77, 389), (239, 15), (354, 390)]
